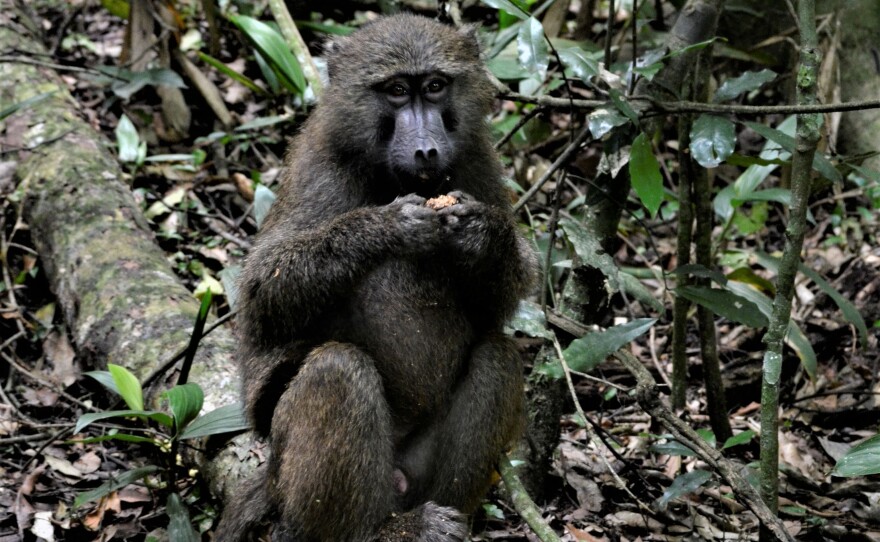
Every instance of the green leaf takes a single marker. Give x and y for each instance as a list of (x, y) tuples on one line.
[(746, 82), (799, 342), (585, 353), (739, 439), (105, 379), (226, 419), (712, 140), (601, 121), (862, 459), (131, 82), (701, 271), (185, 402), (230, 73), (684, 484), (787, 142), (125, 437), (127, 140), (583, 64), (507, 7), (850, 312), (275, 50), (263, 200), (673, 447), (229, 278), (87, 419), (623, 106), (116, 483), (492, 511), (529, 320), (724, 303), (180, 527), (128, 386), (645, 174), (532, 49)]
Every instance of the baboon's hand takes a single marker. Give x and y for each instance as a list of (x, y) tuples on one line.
[(417, 225), (469, 225)]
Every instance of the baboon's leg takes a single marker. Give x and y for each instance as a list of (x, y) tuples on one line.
[(451, 463), (331, 473)]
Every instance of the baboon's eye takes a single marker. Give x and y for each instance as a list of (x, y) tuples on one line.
[(397, 90), (435, 85)]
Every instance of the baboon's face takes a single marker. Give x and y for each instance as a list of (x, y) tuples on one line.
[(407, 100), (417, 126)]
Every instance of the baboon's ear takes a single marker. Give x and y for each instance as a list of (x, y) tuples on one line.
[(471, 34), (334, 44), (332, 47)]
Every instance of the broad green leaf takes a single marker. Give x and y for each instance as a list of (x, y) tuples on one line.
[(230, 73), (529, 320), (492, 511), (275, 50), (752, 220), (185, 402), (850, 312), (118, 482), (583, 64), (724, 303), (601, 121), (820, 163), (645, 174), (673, 447), (746, 82), (334, 29), (779, 195), (507, 7), (589, 250), (795, 338), (127, 140), (708, 436), (634, 287), (105, 379), (862, 459), (180, 527), (125, 437), (701, 271), (532, 49), (739, 439), (226, 419), (128, 386), (713, 139), (229, 278), (801, 345), (263, 200), (623, 106), (585, 353), (132, 82), (684, 484), (263, 122), (87, 419)]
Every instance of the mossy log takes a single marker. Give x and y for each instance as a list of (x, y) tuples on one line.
[(120, 299)]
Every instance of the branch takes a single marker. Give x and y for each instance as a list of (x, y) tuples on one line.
[(523, 503)]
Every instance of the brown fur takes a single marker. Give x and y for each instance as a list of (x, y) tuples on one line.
[(372, 355)]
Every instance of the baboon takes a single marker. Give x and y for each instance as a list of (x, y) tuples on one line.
[(371, 348)]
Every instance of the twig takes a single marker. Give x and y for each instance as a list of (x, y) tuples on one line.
[(590, 432), (296, 43), (524, 504), (561, 161), (43, 382), (648, 397)]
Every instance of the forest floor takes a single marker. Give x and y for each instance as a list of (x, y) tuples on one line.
[(201, 217)]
